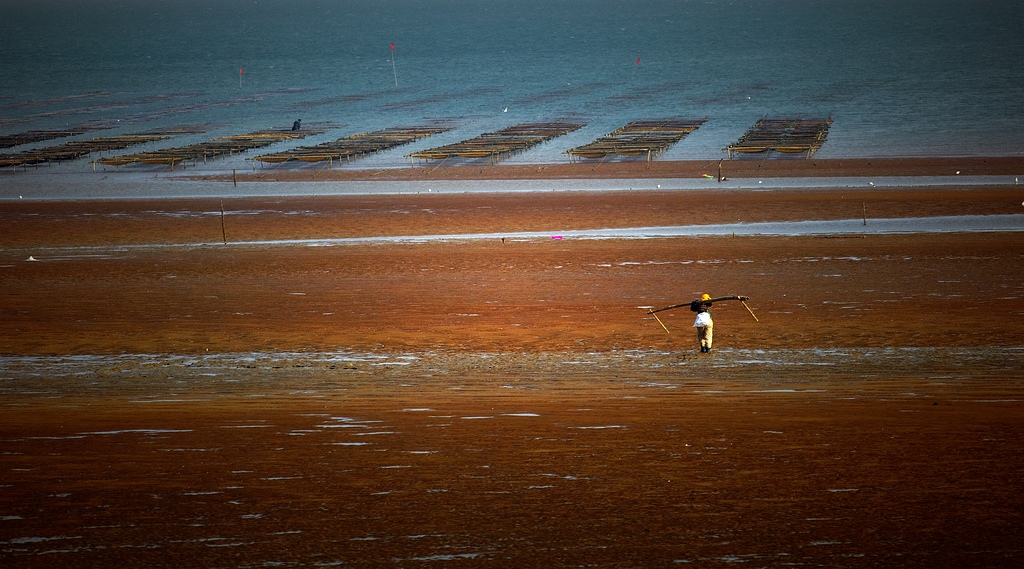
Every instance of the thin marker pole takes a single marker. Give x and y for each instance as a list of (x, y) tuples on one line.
[(223, 231)]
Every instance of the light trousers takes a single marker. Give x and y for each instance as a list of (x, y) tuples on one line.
[(704, 336)]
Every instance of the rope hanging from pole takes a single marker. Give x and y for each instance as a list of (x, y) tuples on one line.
[(660, 322), (744, 303)]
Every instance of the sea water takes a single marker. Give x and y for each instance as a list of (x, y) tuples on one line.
[(899, 77)]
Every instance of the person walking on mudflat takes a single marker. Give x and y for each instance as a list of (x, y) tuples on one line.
[(704, 324)]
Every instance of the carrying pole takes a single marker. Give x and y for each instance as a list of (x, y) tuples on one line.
[(719, 299)]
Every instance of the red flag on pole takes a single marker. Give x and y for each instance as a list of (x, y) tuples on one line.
[(241, 70), (393, 68), (638, 61)]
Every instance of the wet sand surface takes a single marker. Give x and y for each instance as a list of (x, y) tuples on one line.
[(33, 225), (172, 400), (742, 167), (520, 462)]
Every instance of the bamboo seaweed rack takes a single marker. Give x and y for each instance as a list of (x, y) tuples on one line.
[(786, 135), (500, 144), (76, 149), (222, 146), (33, 136), (354, 146), (651, 137)]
